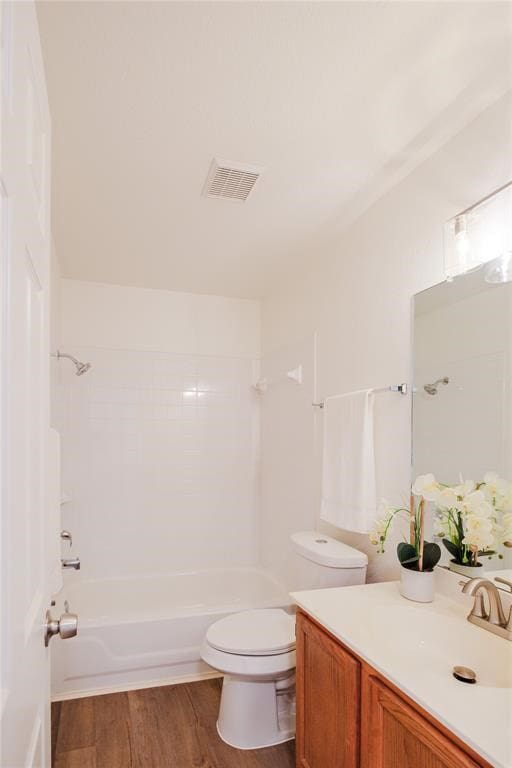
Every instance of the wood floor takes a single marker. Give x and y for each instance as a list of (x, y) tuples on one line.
[(172, 726)]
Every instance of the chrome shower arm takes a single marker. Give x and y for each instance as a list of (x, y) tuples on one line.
[(80, 367), (58, 354)]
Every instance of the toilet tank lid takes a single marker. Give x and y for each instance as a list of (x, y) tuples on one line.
[(325, 550)]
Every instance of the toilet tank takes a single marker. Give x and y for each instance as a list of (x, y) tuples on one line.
[(319, 561)]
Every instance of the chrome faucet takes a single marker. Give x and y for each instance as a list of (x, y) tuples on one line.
[(494, 620), (66, 536), (72, 562)]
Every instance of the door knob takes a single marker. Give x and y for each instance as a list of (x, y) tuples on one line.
[(66, 626)]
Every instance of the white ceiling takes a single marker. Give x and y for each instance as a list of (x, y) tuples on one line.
[(335, 99)]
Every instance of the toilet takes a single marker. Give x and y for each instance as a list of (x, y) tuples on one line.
[(255, 650)]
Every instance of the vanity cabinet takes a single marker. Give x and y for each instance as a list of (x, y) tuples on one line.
[(328, 689), (349, 716), (394, 734)]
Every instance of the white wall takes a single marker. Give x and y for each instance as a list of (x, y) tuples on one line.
[(119, 317), (160, 437), (356, 294)]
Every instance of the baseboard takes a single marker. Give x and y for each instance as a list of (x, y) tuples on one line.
[(135, 686)]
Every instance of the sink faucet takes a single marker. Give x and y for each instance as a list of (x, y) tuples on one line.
[(72, 562), (495, 620)]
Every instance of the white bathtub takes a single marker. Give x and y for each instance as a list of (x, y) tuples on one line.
[(144, 631)]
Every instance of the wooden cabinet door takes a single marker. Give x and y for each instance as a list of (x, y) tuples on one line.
[(328, 679), (394, 734)]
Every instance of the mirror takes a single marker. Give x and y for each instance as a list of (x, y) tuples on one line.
[(462, 392)]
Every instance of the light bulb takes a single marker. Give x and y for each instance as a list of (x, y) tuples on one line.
[(461, 237), (500, 270)]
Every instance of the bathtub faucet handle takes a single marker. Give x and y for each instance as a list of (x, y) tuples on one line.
[(66, 536)]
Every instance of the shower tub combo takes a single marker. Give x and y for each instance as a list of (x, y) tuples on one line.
[(142, 631)]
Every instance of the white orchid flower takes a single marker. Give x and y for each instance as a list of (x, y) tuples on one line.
[(378, 532), (426, 486), (476, 504), (440, 527), (506, 501), (464, 488), (507, 527), (498, 491), (382, 524), (483, 510), (447, 499), (478, 532), (476, 523)]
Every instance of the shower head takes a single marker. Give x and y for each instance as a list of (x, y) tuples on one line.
[(81, 368), (431, 389)]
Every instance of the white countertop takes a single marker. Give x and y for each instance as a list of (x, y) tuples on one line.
[(416, 646)]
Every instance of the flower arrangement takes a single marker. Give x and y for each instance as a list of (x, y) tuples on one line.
[(472, 519), (415, 554)]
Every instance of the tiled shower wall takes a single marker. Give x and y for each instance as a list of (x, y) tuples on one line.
[(159, 455)]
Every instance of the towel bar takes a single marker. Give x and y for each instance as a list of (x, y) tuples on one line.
[(402, 389)]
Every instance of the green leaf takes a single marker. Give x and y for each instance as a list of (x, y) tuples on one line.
[(409, 560), (431, 555), (452, 548), (460, 526), (406, 552)]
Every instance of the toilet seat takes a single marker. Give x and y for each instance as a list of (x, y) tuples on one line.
[(249, 667), (263, 632)]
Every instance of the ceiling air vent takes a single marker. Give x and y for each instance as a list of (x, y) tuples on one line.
[(231, 181)]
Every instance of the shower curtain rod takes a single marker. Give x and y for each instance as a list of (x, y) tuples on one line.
[(400, 388)]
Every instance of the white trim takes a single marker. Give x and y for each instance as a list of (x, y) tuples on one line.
[(176, 680)]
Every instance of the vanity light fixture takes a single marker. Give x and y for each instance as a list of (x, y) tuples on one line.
[(500, 270), (461, 255), (481, 234), (462, 242)]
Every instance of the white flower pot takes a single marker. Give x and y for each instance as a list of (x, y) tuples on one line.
[(417, 585), (471, 571)]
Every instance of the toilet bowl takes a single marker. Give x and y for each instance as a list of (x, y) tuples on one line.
[(255, 650)]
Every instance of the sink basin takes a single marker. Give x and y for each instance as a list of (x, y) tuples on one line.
[(440, 639)]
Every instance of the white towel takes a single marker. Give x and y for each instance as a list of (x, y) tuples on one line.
[(348, 482)]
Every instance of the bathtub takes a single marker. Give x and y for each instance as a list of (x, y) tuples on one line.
[(146, 631)]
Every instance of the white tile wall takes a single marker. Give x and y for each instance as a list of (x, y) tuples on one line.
[(160, 458)]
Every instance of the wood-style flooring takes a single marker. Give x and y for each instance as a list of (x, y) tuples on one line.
[(171, 727)]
